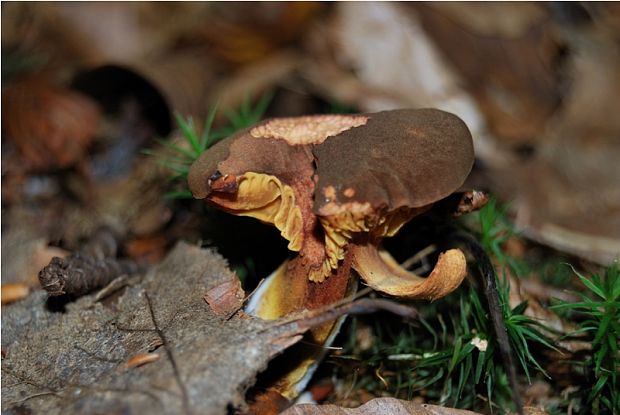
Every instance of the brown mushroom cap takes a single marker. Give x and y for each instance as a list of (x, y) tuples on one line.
[(401, 158)]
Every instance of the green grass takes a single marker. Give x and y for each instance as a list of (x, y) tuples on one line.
[(495, 229), (181, 156), (449, 355), (599, 311)]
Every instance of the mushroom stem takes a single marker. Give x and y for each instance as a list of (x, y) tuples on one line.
[(289, 290), (381, 272)]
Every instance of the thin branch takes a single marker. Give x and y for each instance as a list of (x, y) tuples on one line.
[(487, 271)]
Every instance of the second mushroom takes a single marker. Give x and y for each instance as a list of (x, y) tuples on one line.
[(335, 186)]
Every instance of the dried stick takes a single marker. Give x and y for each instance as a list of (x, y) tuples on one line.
[(487, 271)]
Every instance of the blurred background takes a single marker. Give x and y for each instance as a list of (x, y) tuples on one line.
[(100, 100), (86, 87)]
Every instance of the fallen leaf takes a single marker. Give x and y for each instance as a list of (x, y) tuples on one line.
[(505, 58), (226, 298), (388, 406), (51, 126), (206, 362), (378, 406), (24, 253), (12, 292), (568, 195)]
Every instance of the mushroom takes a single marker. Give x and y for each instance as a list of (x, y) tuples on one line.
[(334, 186)]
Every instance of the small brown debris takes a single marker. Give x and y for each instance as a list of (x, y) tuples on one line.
[(471, 201), (150, 248), (321, 391), (142, 359), (226, 297), (12, 292), (349, 192)]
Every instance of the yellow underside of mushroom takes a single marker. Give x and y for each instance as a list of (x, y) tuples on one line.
[(267, 199), (340, 228), (380, 271)]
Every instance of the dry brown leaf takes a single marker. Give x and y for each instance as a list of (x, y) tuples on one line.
[(24, 252), (388, 406), (569, 194), (511, 75), (239, 34), (205, 364), (12, 292), (519, 293), (226, 298), (378, 406), (50, 126)]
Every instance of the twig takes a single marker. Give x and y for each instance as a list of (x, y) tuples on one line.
[(313, 318), (487, 271)]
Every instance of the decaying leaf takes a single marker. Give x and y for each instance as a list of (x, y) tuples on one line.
[(206, 362), (506, 60), (51, 126), (12, 292), (25, 251), (226, 298), (378, 406), (389, 406), (574, 203)]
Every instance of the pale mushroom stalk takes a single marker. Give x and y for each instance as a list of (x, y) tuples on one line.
[(334, 186)]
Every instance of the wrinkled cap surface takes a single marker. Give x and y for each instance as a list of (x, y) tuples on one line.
[(398, 159)]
